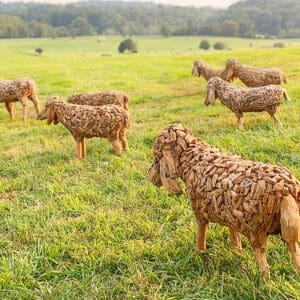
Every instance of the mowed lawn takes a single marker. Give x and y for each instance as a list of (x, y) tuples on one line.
[(97, 228)]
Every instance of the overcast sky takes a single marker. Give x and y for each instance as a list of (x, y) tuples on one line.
[(215, 3)]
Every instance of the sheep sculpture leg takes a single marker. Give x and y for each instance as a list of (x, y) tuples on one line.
[(201, 236), (262, 260), (116, 146), (272, 113), (9, 107), (33, 98), (83, 147), (235, 239), (239, 124), (79, 149), (123, 139), (294, 249), (24, 109)]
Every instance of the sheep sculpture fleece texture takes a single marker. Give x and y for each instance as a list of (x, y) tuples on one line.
[(240, 100), (202, 68), (253, 76), (83, 121), (18, 90), (100, 98), (252, 198)]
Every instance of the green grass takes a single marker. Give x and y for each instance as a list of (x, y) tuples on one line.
[(96, 228)]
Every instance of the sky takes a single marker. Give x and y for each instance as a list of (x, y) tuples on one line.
[(198, 3)]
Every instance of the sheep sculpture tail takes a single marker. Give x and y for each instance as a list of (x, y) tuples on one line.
[(290, 227)]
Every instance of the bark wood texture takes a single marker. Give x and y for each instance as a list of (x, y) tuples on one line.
[(253, 76), (84, 121), (202, 68), (252, 198), (18, 90), (240, 100), (100, 98)]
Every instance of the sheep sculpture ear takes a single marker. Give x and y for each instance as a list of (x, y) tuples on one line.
[(211, 97), (168, 174), (51, 116), (154, 174)]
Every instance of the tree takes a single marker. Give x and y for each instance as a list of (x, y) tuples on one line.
[(129, 45), (166, 30), (81, 26), (204, 45), (39, 51), (219, 46)]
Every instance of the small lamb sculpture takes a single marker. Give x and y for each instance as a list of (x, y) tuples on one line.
[(252, 198), (18, 90), (83, 121), (202, 68), (240, 100), (252, 76), (101, 98)]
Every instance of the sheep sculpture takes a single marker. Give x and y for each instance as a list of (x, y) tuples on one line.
[(18, 90), (202, 68), (83, 121), (251, 198), (253, 76), (101, 98), (240, 100)]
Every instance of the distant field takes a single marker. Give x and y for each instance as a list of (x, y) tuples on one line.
[(96, 228)]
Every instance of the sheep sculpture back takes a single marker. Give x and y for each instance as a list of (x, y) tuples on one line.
[(100, 98), (253, 76), (84, 121), (18, 90), (252, 198)]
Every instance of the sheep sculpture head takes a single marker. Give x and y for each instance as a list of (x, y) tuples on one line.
[(231, 65), (212, 86), (196, 68), (166, 167), (49, 112)]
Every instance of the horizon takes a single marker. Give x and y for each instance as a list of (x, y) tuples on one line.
[(199, 3)]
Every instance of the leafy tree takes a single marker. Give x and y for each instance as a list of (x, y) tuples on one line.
[(166, 30), (219, 46), (81, 26), (129, 45), (204, 45), (39, 51)]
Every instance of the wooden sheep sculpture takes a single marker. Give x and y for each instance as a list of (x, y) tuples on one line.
[(83, 121), (101, 98), (240, 100), (252, 76), (252, 198), (18, 90), (202, 68)]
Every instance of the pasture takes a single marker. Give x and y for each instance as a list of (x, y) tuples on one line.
[(97, 228)]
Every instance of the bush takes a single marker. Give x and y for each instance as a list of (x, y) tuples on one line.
[(219, 46), (129, 45), (204, 45), (38, 51), (279, 45)]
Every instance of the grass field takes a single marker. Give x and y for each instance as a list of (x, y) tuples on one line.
[(96, 228)]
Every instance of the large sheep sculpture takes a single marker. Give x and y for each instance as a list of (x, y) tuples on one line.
[(252, 198), (84, 121)]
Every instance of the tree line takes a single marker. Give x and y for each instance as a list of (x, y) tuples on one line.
[(251, 18)]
